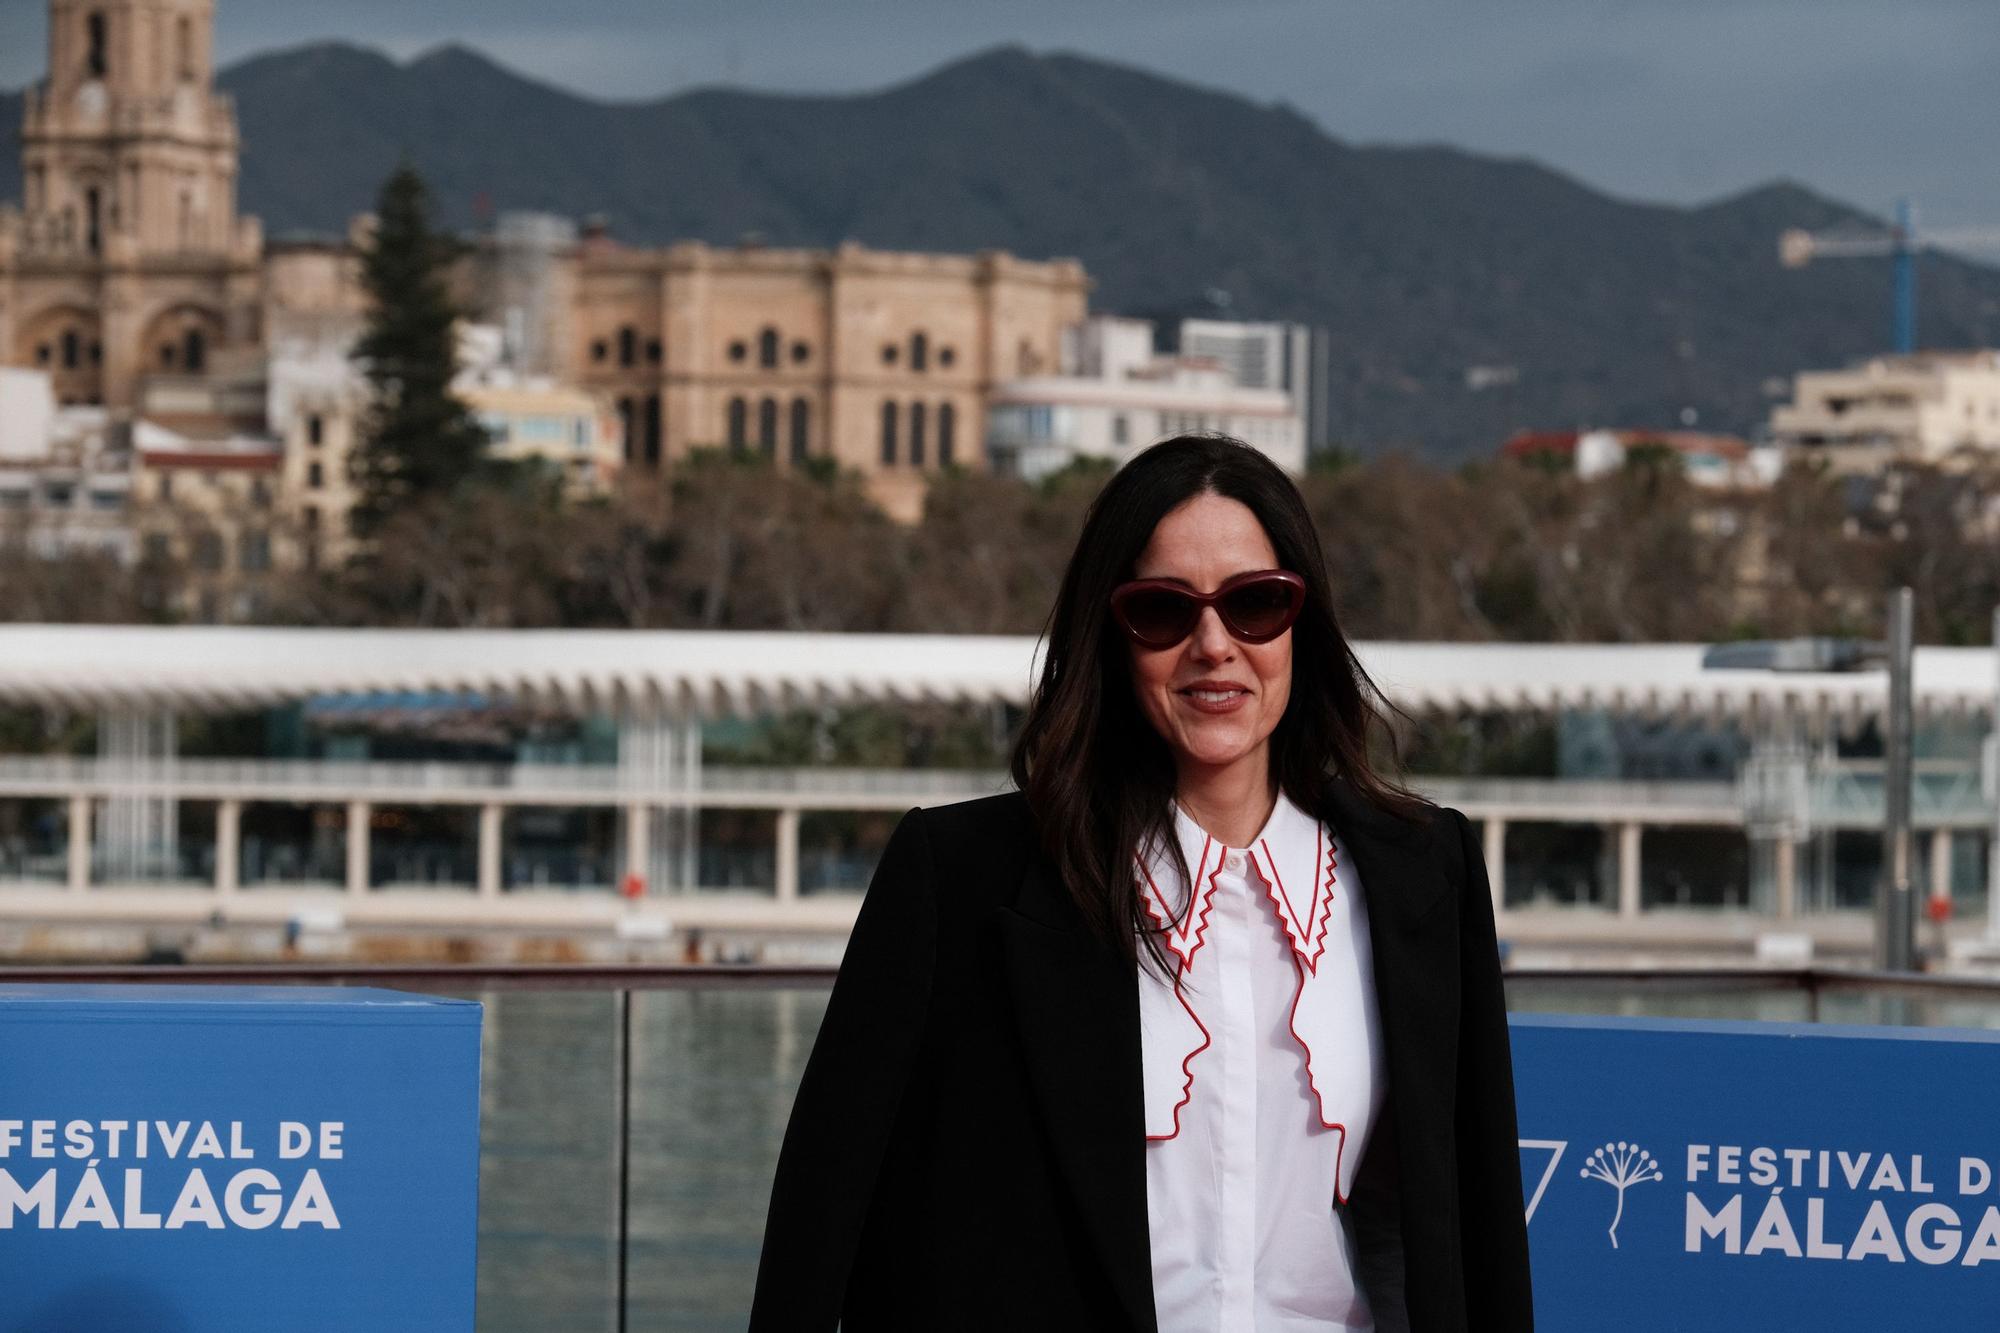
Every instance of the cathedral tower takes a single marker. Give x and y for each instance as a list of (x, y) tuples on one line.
[(128, 258)]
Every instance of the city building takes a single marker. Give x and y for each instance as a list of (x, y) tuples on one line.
[(211, 508), (1292, 358), (1722, 461), (315, 402), (533, 416), (882, 363), (64, 483), (127, 256), (128, 263), (1112, 394), (1939, 408)]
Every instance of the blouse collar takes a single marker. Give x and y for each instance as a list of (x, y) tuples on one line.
[(1293, 856)]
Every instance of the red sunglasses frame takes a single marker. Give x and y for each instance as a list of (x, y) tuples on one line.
[(1124, 593)]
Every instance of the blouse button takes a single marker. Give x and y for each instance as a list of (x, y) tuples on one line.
[(1233, 861)]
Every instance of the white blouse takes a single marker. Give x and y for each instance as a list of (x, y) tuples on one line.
[(1263, 1079)]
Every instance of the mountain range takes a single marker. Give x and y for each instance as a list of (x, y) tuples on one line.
[(1464, 295)]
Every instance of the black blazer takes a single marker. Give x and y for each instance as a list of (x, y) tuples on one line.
[(967, 1150)]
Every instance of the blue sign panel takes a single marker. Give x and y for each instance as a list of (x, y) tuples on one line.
[(188, 1159), (1701, 1176)]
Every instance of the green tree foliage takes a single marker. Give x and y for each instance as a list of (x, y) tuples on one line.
[(419, 443)]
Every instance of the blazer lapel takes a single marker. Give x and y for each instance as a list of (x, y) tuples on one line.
[(1077, 1004), (1414, 946)]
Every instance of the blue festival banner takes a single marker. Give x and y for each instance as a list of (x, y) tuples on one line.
[(1713, 1175), (205, 1159)]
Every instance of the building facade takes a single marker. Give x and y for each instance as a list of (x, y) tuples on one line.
[(127, 256), (63, 486), (879, 363), (1111, 395), (1294, 359), (1941, 408)]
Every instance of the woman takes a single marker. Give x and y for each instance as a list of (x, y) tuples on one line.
[(1202, 1028)]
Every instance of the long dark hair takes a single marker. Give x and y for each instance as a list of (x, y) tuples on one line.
[(1098, 778)]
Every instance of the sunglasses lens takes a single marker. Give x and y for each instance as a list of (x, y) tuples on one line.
[(1157, 616), (1259, 610)]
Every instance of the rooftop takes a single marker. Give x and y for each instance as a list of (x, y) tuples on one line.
[(219, 669)]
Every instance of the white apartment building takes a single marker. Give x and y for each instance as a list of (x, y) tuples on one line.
[(1932, 407), (1292, 358), (1114, 395), (64, 486)]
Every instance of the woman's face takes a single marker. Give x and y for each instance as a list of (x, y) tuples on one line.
[(1212, 698)]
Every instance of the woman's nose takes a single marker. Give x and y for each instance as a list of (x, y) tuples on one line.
[(1211, 639)]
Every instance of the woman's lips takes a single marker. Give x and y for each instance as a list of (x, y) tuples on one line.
[(1220, 699)]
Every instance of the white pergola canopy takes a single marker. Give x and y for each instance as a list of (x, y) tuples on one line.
[(222, 669)]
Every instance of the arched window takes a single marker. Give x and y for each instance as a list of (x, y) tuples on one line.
[(888, 435), (739, 425), (920, 352), (184, 49), (628, 346), (652, 430), (628, 425), (93, 220), (917, 424), (194, 352), (801, 426), (97, 36), (72, 350), (767, 427), (767, 349), (947, 434)]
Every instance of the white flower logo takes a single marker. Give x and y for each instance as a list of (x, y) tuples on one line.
[(1620, 1165)]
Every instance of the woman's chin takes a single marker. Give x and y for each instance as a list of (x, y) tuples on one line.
[(1214, 755)]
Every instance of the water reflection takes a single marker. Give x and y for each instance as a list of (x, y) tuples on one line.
[(713, 1076)]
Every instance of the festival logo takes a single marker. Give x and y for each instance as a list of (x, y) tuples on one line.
[(1621, 1165)]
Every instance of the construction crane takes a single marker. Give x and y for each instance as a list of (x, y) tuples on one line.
[(1797, 248)]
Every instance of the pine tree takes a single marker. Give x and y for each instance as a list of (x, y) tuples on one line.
[(419, 441)]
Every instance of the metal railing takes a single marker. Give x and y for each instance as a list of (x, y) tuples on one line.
[(382, 782), (1846, 797)]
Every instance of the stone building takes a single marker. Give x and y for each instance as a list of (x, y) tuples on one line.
[(129, 278), (127, 256), (883, 363)]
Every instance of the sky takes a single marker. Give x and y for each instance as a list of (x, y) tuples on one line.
[(1679, 101)]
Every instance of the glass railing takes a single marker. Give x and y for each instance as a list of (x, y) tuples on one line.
[(631, 1117)]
